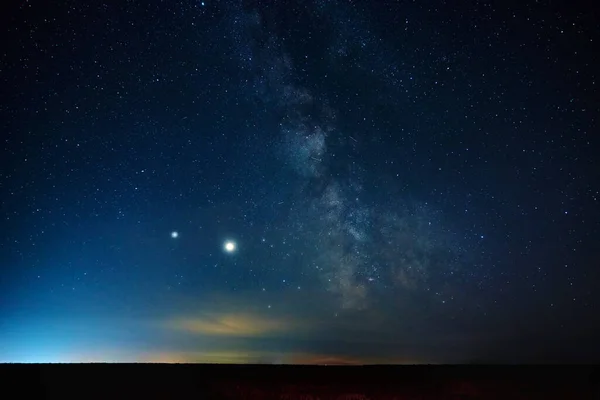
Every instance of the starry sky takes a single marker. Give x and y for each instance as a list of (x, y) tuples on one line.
[(308, 181)]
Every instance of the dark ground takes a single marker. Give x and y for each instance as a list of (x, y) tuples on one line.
[(300, 382)]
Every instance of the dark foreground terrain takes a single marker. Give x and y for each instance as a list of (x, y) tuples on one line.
[(111, 381)]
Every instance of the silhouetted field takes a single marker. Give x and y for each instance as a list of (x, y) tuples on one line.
[(300, 382)]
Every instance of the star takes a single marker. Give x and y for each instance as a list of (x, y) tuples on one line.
[(174, 234), (229, 246)]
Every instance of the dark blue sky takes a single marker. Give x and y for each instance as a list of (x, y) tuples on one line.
[(399, 181)]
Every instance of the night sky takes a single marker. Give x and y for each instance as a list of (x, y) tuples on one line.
[(299, 182)]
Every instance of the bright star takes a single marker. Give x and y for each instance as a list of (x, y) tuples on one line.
[(174, 234), (229, 246)]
